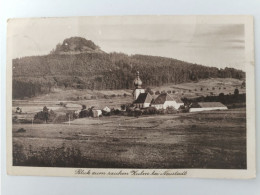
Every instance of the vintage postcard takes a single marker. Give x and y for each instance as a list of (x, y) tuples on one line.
[(131, 96)]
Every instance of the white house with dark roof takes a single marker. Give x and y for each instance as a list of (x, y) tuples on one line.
[(203, 106), (164, 100)]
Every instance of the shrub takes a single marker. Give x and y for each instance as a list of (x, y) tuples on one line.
[(45, 115), (21, 130), (150, 110), (171, 110), (15, 119), (157, 92)]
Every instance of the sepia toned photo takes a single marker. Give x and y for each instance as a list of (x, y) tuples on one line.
[(131, 96)]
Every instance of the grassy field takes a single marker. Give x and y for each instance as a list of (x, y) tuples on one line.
[(215, 139), (74, 99)]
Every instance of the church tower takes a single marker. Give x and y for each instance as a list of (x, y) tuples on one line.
[(138, 86)]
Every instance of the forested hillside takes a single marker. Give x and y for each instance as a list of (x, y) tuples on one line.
[(79, 63)]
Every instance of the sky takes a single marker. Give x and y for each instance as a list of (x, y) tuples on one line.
[(216, 44)]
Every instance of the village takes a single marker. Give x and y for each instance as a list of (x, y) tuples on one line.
[(145, 103)]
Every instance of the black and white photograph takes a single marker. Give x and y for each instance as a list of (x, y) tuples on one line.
[(151, 96)]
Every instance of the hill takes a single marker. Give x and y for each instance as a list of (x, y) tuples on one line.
[(79, 63), (75, 45)]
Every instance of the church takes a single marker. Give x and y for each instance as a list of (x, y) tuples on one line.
[(143, 99)]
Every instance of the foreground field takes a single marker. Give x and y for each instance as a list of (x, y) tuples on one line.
[(215, 139)]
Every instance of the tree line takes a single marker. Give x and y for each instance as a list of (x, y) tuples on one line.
[(99, 71)]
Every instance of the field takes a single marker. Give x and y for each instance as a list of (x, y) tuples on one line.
[(215, 139), (114, 98)]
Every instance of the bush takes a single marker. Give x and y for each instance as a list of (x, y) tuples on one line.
[(85, 113), (21, 130), (171, 110), (15, 119), (93, 97), (150, 110), (44, 116), (157, 92)]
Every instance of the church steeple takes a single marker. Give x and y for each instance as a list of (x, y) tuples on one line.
[(138, 86), (137, 81)]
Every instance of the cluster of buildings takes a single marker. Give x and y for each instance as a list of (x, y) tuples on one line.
[(143, 99)]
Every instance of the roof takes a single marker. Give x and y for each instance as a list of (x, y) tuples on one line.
[(177, 99), (96, 108), (143, 98), (162, 98), (210, 104)]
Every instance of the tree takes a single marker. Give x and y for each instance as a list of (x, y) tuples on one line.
[(45, 114), (236, 92)]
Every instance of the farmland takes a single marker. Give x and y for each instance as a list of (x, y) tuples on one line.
[(215, 139)]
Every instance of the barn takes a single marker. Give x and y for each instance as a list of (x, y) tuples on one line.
[(203, 106), (164, 100)]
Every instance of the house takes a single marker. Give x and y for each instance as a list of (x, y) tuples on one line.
[(178, 102), (164, 100), (202, 106), (96, 112), (106, 109), (143, 101)]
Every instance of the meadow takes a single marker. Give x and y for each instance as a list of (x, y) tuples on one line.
[(214, 139)]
